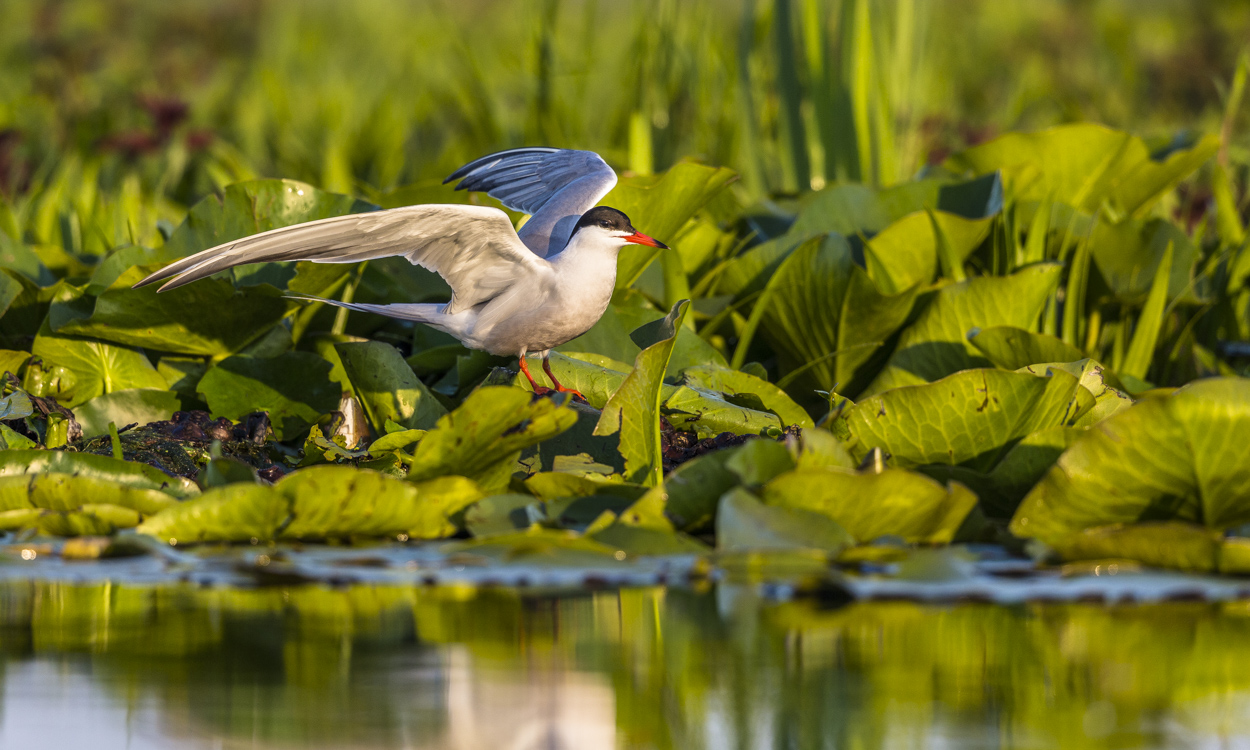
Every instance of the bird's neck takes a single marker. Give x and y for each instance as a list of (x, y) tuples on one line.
[(587, 265)]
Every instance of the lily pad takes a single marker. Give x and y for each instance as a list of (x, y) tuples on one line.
[(483, 438), (1013, 348), (894, 502), (936, 344), (634, 409), (968, 418), (231, 513), (387, 387), (128, 473), (1183, 456), (76, 370), (748, 390), (131, 406), (294, 388), (744, 523)]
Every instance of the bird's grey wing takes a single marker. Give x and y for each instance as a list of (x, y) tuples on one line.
[(555, 186), (474, 248)]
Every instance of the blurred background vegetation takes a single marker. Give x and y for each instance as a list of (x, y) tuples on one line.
[(156, 104)]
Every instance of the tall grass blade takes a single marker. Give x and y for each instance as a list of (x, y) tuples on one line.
[(1146, 334)]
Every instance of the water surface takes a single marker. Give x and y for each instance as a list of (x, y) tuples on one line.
[(178, 666)]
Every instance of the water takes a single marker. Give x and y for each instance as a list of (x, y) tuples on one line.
[(176, 666)]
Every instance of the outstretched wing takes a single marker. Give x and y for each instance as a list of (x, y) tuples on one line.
[(555, 186), (473, 247)]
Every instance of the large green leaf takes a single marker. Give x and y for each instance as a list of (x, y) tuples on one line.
[(744, 523), (329, 502), (693, 409), (968, 418), (825, 315), (1084, 165), (237, 512), (936, 344), (1128, 256), (483, 437), (387, 387), (895, 502), (747, 390), (128, 473), (132, 406), (209, 317), (634, 409), (1184, 456), (294, 387), (77, 370), (1012, 348), (907, 252), (849, 209), (660, 206), (72, 505)]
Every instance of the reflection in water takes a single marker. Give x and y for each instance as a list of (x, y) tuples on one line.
[(367, 667)]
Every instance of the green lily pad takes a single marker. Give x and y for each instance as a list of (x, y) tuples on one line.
[(895, 502), (634, 409), (294, 388), (825, 315), (232, 513), (483, 438), (131, 406), (76, 370), (387, 387), (128, 473), (503, 514), (1183, 456), (744, 523), (1084, 165), (1162, 544), (936, 344), (329, 502), (968, 418), (748, 390), (1013, 348), (209, 317)]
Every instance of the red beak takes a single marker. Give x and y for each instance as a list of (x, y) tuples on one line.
[(638, 238)]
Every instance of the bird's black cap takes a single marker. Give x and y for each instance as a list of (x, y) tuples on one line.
[(607, 218)]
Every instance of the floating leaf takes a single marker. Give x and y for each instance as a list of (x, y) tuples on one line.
[(77, 370), (294, 388), (1185, 456), (387, 387), (1013, 348), (634, 409), (131, 406), (1166, 544), (209, 317), (936, 344), (128, 473), (748, 390), (744, 523), (968, 418), (330, 502), (233, 513), (895, 502), (484, 436)]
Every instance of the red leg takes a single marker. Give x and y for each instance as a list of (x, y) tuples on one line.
[(556, 383), (525, 370)]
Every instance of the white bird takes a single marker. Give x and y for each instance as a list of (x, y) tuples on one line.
[(513, 293)]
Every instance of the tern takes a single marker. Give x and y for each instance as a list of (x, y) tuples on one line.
[(514, 293)]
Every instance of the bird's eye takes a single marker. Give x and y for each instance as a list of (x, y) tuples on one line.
[(605, 224)]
